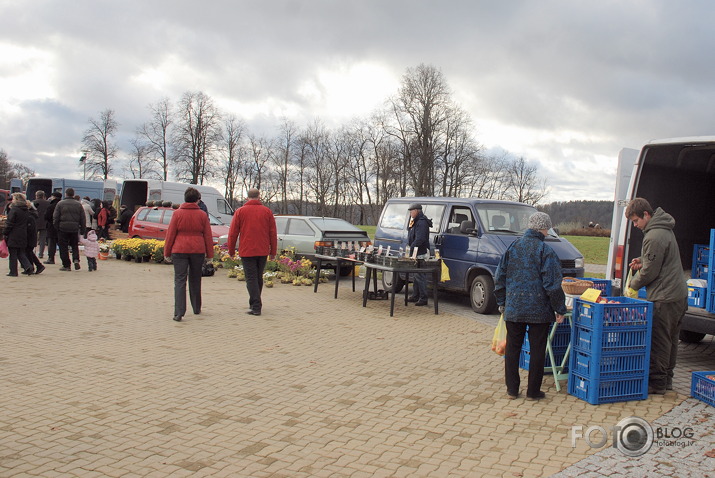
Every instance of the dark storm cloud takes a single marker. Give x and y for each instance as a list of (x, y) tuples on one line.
[(602, 75)]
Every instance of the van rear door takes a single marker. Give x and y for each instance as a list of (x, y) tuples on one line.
[(458, 249)]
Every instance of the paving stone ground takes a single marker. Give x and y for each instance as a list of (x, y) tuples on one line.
[(97, 380)]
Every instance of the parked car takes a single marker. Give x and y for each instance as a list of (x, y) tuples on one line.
[(304, 233), (471, 235), (153, 222)]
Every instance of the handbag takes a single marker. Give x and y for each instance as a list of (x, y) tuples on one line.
[(499, 338), (4, 251), (207, 269)]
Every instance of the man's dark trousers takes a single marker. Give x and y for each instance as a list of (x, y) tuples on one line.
[(66, 240), (253, 267)]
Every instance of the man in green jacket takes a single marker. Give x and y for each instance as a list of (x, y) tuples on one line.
[(659, 269)]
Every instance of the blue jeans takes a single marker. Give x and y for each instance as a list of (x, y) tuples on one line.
[(419, 290)]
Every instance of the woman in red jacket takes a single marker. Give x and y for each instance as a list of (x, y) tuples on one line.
[(188, 242)]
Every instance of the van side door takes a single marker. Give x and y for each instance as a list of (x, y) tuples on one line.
[(457, 247)]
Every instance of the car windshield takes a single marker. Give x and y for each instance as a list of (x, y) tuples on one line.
[(214, 220), (509, 218), (333, 224)]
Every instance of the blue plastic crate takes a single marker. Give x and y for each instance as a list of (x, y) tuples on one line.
[(604, 285), (600, 342), (697, 296), (700, 271), (627, 312), (561, 339), (525, 358), (597, 391), (703, 388), (701, 254), (608, 367), (710, 304)]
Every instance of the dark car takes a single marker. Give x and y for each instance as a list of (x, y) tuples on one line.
[(153, 222), (304, 233)]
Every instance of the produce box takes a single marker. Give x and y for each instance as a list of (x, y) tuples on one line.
[(619, 311), (604, 285), (703, 387), (697, 296), (597, 391), (525, 358), (609, 367)]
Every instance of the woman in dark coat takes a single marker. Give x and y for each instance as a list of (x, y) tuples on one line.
[(32, 219), (16, 234), (188, 242)]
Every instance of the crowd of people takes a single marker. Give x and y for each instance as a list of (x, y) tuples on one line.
[(56, 224)]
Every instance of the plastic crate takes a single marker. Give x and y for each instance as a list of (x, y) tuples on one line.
[(627, 312), (697, 296), (710, 304), (597, 391), (700, 271), (642, 293), (604, 285), (701, 253), (599, 342), (561, 340), (703, 388), (608, 367), (525, 358)]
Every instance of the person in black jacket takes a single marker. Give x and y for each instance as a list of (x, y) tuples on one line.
[(125, 215), (51, 231), (69, 220), (16, 234), (418, 238), (41, 204), (32, 238)]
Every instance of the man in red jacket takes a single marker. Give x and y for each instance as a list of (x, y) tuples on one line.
[(254, 226)]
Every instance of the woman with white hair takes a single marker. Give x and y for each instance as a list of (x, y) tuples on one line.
[(16, 234)]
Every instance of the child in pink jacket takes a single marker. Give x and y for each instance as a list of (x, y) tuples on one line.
[(91, 249)]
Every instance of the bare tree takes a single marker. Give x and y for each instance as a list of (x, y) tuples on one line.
[(195, 137), (99, 146), (10, 170), (233, 153), (156, 133), (283, 160), (523, 184), (318, 174), (141, 165)]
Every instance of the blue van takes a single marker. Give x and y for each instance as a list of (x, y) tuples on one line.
[(471, 236)]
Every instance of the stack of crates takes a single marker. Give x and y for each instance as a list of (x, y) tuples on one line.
[(709, 292), (701, 261), (559, 344), (610, 353)]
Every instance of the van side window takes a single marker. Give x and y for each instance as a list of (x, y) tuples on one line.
[(395, 216), (434, 212), (457, 215), (223, 207)]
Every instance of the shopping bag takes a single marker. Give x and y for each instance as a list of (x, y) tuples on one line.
[(4, 251), (445, 273), (499, 339), (627, 291)]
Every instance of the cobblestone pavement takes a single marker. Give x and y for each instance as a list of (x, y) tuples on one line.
[(99, 381)]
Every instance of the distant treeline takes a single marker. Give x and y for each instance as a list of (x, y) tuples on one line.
[(580, 212)]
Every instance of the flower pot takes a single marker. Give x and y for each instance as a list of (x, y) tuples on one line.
[(139, 259), (118, 255), (103, 256)]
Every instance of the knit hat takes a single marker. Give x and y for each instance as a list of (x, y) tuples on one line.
[(539, 221)]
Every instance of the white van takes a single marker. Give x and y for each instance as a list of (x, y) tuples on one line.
[(136, 192), (677, 175)]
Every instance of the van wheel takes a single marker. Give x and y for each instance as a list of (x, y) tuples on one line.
[(481, 295), (691, 337), (388, 277)]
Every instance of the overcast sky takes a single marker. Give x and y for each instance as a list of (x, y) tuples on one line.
[(566, 84)]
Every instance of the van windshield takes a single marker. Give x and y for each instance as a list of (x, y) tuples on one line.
[(509, 218)]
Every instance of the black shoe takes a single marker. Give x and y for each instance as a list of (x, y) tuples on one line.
[(40, 268), (63, 268), (40, 256), (669, 383), (253, 312), (512, 396), (11, 275), (197, 312), (177, 318), (49, 261), (538, 396), (412, 299), (420, 303), (76, 266), (656, 391), (27, 272)]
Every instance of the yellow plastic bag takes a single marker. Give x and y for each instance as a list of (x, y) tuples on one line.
[(499, 339), (627, 291), (445, 273)]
